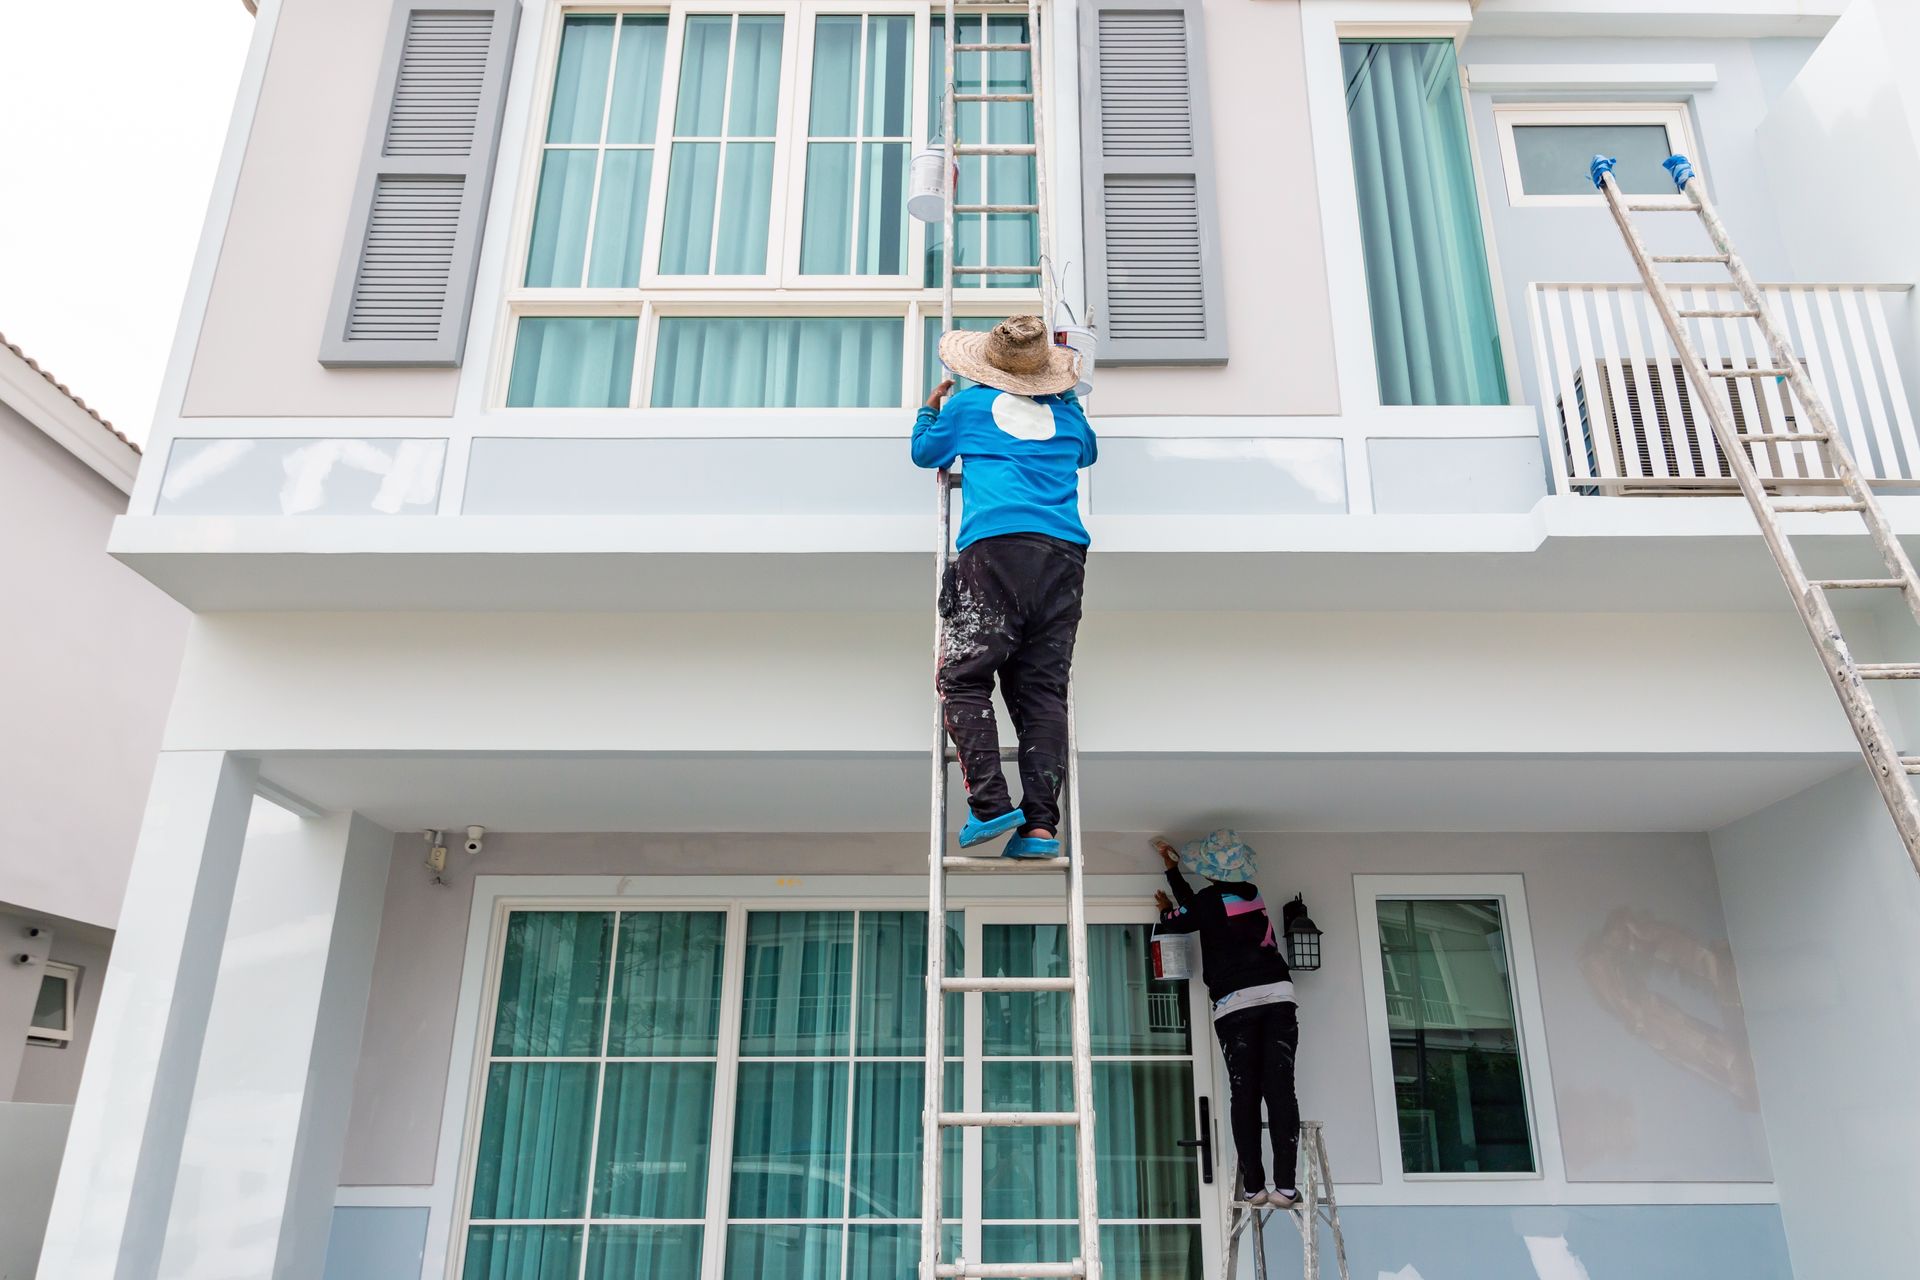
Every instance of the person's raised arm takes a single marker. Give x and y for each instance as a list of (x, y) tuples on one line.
[(936, 435), (1182, 891)]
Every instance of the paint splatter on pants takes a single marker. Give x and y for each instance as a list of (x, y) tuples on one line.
[(1012, 609), (1259, 1046)]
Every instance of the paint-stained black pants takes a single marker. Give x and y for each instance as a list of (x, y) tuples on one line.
[(1012, 609), (1259, 1046)]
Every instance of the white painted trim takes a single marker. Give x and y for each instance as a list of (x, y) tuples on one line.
[(1579, 77), (1549, 1183), (27, 392), (1672, 116), (171, 402), (1663, 18)]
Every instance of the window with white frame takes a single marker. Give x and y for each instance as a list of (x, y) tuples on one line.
[(716, 213), (1546, 149), (1458, 1086), (52, 1022)]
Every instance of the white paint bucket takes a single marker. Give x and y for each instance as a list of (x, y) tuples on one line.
[(927, 186), (1172, 956), (1083, 341)]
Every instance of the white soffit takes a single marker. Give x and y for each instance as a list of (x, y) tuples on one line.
[(36, 397), (1709, 18), (1535, 77)]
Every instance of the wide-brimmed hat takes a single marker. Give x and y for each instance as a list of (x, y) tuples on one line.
[(1221, 856), (1015, 355)]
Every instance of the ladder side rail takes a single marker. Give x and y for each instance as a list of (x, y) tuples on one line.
[(1810, 399), (949, 125), (1078, 969), (1038, 50), (933, 1092), (1876, 744)]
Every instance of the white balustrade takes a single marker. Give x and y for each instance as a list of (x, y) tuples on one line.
[(1620, 417)]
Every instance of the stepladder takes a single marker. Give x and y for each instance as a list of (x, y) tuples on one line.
[(1317, 1209), (1797, 465), (943, 862)]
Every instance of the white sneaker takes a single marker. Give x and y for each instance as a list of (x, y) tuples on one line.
[(1255, 1199), (1287, 1199)]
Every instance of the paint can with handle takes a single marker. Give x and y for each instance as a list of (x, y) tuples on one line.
[(1082, 342), (1172, 956), (927, 185)]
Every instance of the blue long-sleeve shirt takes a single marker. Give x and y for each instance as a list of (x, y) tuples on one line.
[(1022, 459)]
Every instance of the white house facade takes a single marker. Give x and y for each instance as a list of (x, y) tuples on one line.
[(571, 502)]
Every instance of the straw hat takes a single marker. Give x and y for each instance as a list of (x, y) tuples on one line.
[(1016, 355)]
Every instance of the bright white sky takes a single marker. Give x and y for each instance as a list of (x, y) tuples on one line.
[(112, 114)]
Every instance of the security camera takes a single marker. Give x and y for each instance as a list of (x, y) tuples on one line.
[(475, 836), (34, 931)]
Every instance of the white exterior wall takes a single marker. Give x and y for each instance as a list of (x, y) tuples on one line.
[(1823, 910), (90, 653)]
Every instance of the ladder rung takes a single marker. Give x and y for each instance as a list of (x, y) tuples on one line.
[(996, 208), (1748, 373), (1888, 670), (996, 149), (993, 48), (993, 97), (1009, 1119), (1860, 584), (1822, 508), (1662, 208), (1006, 984), (995, 271), (960, 862), (1691, 257), (1912, 763), (1719, 315), (1784, 437), (1007, 755), (1011, 1270)]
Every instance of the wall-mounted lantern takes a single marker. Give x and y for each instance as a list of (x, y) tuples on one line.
[(1303, 936)]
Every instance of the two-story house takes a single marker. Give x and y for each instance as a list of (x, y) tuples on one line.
[(532, 458)]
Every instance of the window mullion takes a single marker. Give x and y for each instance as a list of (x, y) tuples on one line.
[(853, 1067), (726, 1092), (600, 1092), (859, 143)]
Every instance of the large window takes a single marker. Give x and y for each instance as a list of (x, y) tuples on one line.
[(1436, 336), (719, 214), (736, 1094), (1458, 1079)]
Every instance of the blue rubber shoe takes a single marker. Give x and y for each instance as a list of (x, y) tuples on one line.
[(1031, 847), (980, 830)]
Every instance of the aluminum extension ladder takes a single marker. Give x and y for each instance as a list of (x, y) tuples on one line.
[(1853, 496), (935, 1121), (941, 863), (1317, 1208)]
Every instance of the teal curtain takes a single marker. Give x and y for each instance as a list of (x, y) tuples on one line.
[(996, 239), (655, 1127), (854, 218), (751, 362), (577, 362), (719, 190), (534, 1132), (790, 1140), (1435, 336), (523, 1253), (656, 1251), (1169, 1251), (594, 136), (786, 1251), (666, 990), (553, 984)]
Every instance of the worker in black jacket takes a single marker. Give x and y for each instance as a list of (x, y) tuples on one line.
[(1252, 994)]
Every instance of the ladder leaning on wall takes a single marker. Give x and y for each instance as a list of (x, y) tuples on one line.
[(1851, 494), (935, 1120)]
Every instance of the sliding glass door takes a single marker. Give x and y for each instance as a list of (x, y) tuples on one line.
[(734, 1092)]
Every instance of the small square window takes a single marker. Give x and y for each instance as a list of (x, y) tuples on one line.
[(1546, 149), (53, 1010)]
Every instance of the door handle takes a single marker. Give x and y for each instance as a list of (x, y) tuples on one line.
[(1205, 1141)]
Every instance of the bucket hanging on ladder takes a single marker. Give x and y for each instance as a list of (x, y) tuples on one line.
[(1172, 956)]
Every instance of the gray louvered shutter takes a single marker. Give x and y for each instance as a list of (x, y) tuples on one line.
[(1153, 244), (406, 276)]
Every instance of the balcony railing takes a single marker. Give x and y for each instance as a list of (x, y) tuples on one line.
[(1621, 418)]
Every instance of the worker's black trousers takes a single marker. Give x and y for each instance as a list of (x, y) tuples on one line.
[(1259, 1046), (1012, 609)]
